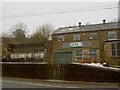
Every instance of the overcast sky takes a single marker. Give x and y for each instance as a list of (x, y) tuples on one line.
[(58, 14)]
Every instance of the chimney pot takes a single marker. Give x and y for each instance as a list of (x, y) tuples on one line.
[(104, 21), (79, 23)]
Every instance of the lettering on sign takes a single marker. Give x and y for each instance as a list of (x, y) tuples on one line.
[(76, 44)]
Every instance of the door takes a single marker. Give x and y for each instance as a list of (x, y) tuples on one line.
[(63, 57)]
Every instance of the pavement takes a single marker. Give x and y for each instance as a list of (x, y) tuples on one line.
[(11, 82)]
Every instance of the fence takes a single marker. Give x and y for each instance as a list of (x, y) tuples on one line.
[(69, 72)]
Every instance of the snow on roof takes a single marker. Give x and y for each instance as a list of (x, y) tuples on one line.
[(94, 27)]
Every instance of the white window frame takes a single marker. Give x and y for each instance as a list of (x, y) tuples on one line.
[(92, 53), (115, 49), (76, 35), (80, 56), (91, 36), (61, 38), (109, 36)]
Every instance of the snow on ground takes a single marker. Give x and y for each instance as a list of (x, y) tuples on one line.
[(91, 64), (23, 63), (97, 65)]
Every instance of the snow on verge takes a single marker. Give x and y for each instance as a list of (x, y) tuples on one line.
[(97, 65)]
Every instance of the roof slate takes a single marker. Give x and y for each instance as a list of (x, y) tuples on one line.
[(94, 27)]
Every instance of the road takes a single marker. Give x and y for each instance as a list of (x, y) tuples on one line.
[(10, 82)]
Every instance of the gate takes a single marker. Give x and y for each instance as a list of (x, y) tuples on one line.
[(58, 71), (63, 57)]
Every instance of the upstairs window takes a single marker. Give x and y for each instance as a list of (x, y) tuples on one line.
[(61, 38), (115, 49), (76, 37), (111, 35), (93, 35)]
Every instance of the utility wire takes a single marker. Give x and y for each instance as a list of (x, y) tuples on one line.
[(52, 8), (63, 12)]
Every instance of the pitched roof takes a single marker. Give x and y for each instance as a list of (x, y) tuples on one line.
[(93, 27)]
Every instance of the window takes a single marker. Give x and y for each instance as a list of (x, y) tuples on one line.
[(115, 49), (111, 35), (78, 54), (85, 54), (93, 35), (66, 45), (54, 37), (92, 53), (61, 38), (86, 44), (76, 36)]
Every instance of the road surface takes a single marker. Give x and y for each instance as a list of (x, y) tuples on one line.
[(10, 82)]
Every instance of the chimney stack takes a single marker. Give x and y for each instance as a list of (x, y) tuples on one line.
[(104, 21), (79, 24)]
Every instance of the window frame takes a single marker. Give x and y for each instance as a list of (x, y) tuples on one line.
[(76, 35), (109, 36), (80, 56), (61, 36), (115, 50), (91, 36), (93, 52)]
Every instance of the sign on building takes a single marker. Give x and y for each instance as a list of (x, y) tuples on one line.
[(76, 44)]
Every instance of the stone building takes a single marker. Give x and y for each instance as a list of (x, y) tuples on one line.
[(83, 43), (112, 52)]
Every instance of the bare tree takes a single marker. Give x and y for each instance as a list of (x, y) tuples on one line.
[(19, 25), (5, 38), (19, 32), (37, 37), (43, 33), (45, 30)]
